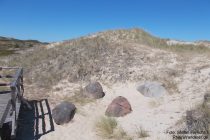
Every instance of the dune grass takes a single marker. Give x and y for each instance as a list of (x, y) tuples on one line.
[(141, 133), (121, 134), (105, 127), (198, 119), (108, 128), (78, 98)]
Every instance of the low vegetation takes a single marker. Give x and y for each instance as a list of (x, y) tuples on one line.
[(9, 46), (78, 98), (141, 37), (154, 103), (78, 61), (183, 48), (120, 134), (198, 119), (108, 128), (105, 127), (141, 133), (6, 52)]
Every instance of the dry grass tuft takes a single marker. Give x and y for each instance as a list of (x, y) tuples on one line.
[(170, 85), (108, 128), (198, 119), (186, 48), (105, 127), (78, 98), (141, 133), (120, 134), (154, 103)]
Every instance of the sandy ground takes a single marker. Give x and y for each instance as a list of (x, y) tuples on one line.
[(155, 115)]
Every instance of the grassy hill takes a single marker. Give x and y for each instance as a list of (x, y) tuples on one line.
[(104, 55), (120, 60)]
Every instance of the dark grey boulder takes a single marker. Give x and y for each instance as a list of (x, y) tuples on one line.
[(152, 89), (63, 113), (119, 107), (94, 90)]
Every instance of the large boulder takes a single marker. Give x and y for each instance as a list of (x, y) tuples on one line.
[(119, 107), (152, 89), (94, 90), (63, 113)]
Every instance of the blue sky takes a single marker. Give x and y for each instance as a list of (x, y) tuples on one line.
[(55, 20)]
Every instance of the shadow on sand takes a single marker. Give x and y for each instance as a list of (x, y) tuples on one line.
[(33, 124)]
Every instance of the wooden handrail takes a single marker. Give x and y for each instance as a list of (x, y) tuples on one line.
[(16, 91), (17, 77), (6, 76), (1, 68)]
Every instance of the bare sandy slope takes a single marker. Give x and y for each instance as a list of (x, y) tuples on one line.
[(155, 115)]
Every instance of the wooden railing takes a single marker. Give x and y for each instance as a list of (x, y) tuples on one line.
[(16, 85), (16, 89)]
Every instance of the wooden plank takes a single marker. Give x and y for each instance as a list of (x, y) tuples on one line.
[(5, 103), (10, 115), (4, 84), (13, 133), (14, 120), (4, 92)]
